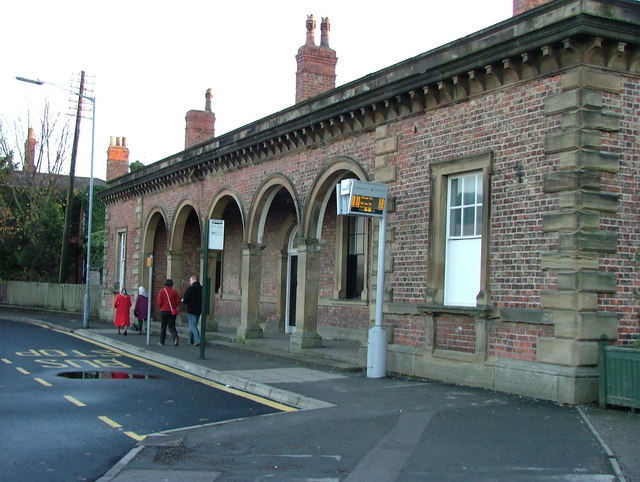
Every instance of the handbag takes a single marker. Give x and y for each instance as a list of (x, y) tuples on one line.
[(174, 311)]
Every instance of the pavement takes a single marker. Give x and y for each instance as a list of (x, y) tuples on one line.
[(348, 427)]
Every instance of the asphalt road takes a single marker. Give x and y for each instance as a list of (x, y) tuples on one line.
[(71, 409)]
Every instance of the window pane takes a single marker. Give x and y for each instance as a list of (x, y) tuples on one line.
[(455, 197), (469, 190), (479, 221), (356, 235), (479, 189), (455, 222), (469, 221)]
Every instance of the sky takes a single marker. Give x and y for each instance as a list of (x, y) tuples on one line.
[(149, 63)]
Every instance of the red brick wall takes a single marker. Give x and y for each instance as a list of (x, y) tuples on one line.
[(407, 330), (121, 219), (117, 158), (517, 340), (316, 71), (456, 334), (191, 253), (625, 263), (200, 127), (511, 124)]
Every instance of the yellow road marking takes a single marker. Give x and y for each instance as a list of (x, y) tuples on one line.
[(45, 383), (110, 422), (75, 401), (135, 436), (235, 391), (7, 361), (23, 371)]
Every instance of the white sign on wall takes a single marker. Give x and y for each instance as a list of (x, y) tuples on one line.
[(216, 234)]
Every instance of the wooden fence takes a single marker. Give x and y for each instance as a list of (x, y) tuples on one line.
[(50, 296)]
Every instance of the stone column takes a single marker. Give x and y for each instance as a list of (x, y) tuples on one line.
[(306, 334), (251, 287), (573, 306), (174, 267)]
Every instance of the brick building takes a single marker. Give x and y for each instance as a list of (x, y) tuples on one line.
[(511, 158)]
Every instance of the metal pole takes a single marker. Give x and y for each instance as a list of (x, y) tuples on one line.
[(87, 296), (150, 264), (205, 290), (377, 344)]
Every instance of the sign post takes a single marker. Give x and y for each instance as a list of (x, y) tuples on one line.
[(358, 198), (150, 266), (214, 240)]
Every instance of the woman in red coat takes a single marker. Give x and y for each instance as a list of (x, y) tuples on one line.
[(168, 301), (122, 304)]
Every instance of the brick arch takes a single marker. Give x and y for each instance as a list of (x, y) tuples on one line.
[(227, 205), (262, 202), (186, 244), (155, 216), (154, 241), (323, 187), (222, 200), (179, 222)]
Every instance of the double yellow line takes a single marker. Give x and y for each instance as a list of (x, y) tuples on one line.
[(249, 396), (78, 403)]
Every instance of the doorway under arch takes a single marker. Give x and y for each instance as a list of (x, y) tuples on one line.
[(292, 283)]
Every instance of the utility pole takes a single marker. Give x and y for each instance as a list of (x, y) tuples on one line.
[(64, 255)]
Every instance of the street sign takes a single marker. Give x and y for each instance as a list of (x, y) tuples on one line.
[(216, 234), (359, 198)]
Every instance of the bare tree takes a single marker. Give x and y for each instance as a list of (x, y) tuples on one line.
[(32, 196)]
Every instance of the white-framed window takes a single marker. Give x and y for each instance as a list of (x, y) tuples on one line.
[(459, 231), (121, 259), (464, 230)]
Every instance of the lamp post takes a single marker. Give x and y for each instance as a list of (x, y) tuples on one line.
[(81, 95)]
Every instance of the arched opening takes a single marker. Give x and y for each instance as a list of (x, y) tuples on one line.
[(291, 283)]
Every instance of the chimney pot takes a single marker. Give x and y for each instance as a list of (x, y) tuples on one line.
[(325, 26), (311, 29)]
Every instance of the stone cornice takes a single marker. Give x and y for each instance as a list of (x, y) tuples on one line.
[(552, 38)]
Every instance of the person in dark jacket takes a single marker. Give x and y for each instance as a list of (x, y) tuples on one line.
[(193, 299)]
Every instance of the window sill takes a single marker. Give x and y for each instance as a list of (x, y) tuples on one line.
[(344, 302), (471, 312)]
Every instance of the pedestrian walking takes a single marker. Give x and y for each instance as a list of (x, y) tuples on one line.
[(168, 301), (122, 304), (141, 309), (193, 299)]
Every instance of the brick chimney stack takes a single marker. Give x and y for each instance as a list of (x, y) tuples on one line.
[(30, 153), (521, 6), (200, 124), (316, 72), (117, 158)]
